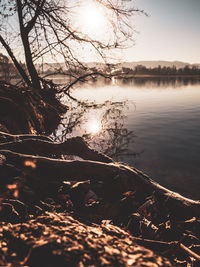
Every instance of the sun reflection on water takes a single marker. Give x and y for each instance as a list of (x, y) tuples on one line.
[(93, 126)]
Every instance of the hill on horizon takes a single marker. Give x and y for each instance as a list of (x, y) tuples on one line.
[(156, 63), (132, 65)]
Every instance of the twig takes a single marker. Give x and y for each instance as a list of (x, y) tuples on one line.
[(162, 246)]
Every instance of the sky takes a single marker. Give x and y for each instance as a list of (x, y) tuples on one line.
[(171, 32)]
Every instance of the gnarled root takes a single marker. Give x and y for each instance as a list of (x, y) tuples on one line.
[(43, 146), (117, 178)]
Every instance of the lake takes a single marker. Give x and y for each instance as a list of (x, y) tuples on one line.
[(164, 116)]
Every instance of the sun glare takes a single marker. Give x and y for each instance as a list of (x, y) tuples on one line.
[(93, 126), (91, 18)]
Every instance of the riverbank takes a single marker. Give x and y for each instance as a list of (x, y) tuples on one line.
[(55, 211)]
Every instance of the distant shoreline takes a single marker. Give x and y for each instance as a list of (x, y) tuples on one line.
[(131, 76), (124, 76)]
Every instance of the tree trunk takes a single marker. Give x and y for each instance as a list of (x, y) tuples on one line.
[(29, 62), (28, 55)]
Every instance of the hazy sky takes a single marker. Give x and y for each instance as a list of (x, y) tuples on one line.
[(172, 32)]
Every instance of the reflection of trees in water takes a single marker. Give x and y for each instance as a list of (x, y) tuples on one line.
[(113, 137), (154, 81), (150, 81), (159, 81)]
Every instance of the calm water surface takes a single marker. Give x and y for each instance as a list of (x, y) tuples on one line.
[(165, 117)]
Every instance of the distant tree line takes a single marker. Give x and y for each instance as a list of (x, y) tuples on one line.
[(4, 67), (7, 68), (140, 69)]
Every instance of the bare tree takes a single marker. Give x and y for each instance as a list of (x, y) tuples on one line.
[(46, 30)]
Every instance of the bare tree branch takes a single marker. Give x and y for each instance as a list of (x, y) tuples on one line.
[(32, 22)]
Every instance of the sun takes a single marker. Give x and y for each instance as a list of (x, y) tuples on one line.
[(91, 18)]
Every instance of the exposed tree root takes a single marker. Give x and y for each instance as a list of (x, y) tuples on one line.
[(25, 111), (28, 144), (118, 178), (6, 137)]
